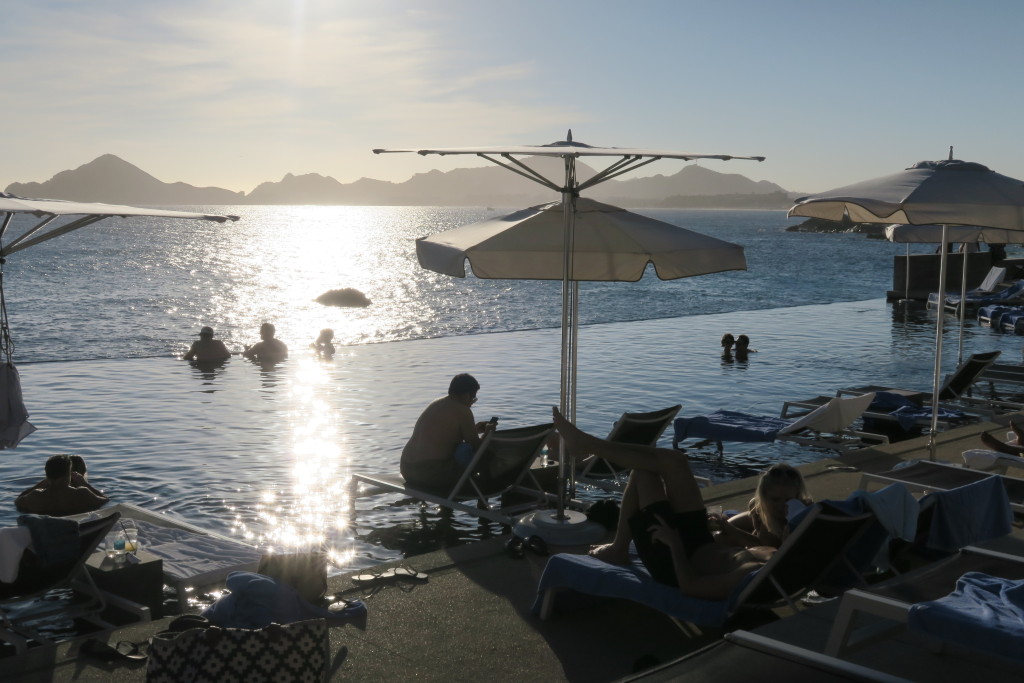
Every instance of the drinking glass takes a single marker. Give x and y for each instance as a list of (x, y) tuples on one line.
[(131, 535)]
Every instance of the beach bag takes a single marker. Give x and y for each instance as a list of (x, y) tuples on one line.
[(279, 653), (305, 572)]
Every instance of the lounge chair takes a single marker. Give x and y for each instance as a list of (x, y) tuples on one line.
[(928, 476), (825, 426), (991, 461), (892, 411), (500, 465), (990, 285), (193, 557), (992, 314), (895, 601), (955, 389), (40, 572), (631, 428), (809, 553)]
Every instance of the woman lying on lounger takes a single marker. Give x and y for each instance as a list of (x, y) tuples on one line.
[(764, 522), (665, 517)]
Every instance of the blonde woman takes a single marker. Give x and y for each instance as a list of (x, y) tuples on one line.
[(764, 523)]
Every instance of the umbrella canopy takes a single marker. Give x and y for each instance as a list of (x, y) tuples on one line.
[(610, 244), (88, 213), (947, 192), (14, 425)]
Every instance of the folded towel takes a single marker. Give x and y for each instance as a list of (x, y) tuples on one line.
[(55, 541), (984, 612), (968, 514), (256, 601), (186, 554)]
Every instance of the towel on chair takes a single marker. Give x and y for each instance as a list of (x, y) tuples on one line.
[(969, 514), (729, 425), (983, 612), (55, 540)]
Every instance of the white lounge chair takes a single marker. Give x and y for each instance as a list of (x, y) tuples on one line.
[(500, 465), (826, 426)]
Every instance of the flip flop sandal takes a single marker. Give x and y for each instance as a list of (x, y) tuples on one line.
[(368, 579), (347, 609), (124, 650), (407, 573)]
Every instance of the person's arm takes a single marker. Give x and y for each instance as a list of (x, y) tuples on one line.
[(711, 587), (191, 353), (26, 502), (223, 351), (43, 483), (736, 535), (81, 482), (251, 352), (91, 501), (469, 430)]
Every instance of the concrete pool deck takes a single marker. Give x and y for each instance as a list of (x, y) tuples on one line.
[(471, 620)]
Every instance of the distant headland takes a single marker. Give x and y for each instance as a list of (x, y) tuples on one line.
[(113, 180)]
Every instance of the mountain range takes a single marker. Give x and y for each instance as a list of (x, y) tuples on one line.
[(113, 180)]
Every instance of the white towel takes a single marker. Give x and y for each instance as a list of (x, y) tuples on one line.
[(13, 541)]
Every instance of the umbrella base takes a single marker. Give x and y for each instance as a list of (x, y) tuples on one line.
[(572, 529)]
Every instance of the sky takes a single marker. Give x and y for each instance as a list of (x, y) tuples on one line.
[(232, 93)]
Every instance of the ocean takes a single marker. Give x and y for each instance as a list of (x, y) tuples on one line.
[(100, 318)]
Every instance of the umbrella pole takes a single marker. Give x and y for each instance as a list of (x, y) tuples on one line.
[(906, 277), (963, 307), (937, 369), (568, 374)]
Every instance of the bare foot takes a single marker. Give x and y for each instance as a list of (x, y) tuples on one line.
[(610, 553), (575, 439), (1018, 432)]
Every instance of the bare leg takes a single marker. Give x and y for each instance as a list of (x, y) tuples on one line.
[(678, 484), (997, 445), (617, 552)]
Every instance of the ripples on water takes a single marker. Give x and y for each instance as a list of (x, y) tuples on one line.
[(264, 453)]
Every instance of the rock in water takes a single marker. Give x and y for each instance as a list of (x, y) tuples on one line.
[(352, 298)]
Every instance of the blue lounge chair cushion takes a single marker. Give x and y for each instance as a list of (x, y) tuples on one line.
[(589, 576), (729, 425), (984, 612)]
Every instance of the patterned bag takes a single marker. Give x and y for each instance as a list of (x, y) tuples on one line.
[(289, 653)]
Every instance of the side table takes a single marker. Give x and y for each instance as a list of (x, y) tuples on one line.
[(141, 582)]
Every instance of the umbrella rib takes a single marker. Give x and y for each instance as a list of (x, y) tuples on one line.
[(624, 165), (529, 173), (22, 243)]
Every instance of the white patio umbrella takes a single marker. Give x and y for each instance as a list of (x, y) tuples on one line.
[(515, 158), (963, 234), (949, 192), (14, 425)]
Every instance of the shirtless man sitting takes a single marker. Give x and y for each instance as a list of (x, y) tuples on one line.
[(445, 437), (666, 519), (269, 350), (63, 492)]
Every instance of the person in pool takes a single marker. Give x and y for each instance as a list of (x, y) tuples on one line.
[(445, 437), (63, 491), (743, 347), (323, 345), (765, 521), (206, 349), (269, 350), (666, 519), (727, 344)]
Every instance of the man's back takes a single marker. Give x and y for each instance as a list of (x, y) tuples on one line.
[(58, 501), (440, 428)]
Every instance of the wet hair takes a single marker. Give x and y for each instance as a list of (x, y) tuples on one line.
[(742, 341), (58, 466), (727, 340), (268, 327), (779, 474), (77, 464), (463, 383), (326, 334)]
